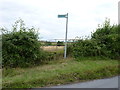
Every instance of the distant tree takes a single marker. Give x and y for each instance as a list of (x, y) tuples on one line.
[(48, 43), (59, 43)]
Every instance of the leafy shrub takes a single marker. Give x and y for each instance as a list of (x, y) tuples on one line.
[(104, 42), (20, 47), (108, 37), (70, 50), (84, 48)]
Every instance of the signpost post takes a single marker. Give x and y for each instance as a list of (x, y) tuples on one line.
[(65, 16), (119, 13)]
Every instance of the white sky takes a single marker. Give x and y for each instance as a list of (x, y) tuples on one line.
[(84, 15)]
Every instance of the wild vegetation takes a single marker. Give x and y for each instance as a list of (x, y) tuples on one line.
[(59, 43), (59, 72), (48, 43), (21, 47), (90, 58), (104, 42)]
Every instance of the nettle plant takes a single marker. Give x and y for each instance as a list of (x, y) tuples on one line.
[(20, 46)]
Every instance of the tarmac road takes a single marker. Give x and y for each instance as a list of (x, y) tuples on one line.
[(100, 83)]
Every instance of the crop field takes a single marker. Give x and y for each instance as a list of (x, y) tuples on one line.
[(53, 48)]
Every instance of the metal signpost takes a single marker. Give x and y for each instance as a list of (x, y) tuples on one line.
[(65, 16), (119, 13)]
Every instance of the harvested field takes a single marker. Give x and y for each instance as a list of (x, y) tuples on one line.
[(53, 48)]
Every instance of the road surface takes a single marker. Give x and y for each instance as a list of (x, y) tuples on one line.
[(100, 83)]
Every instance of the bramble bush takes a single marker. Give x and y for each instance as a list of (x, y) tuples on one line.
[(108, 38), (105, 41), (20, 47), (84, 48)]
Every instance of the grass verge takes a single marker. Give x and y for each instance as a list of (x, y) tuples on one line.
[(59, 72)]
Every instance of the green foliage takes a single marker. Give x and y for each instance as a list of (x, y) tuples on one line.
[(48, 43), (84, 48), (108, 37), (20, 46), (70, 49), (59, 43), (93, 58), (59, 72), (104, 42)]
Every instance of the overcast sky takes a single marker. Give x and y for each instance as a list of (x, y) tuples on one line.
[(84, 15)]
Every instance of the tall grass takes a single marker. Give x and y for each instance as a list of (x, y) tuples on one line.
[(59, 72)]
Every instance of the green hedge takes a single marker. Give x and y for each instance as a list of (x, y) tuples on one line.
[(105, 41), (20, 47)]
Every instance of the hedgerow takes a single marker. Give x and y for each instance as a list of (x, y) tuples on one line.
[(108, 37), (20, 46), (105, 41)]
